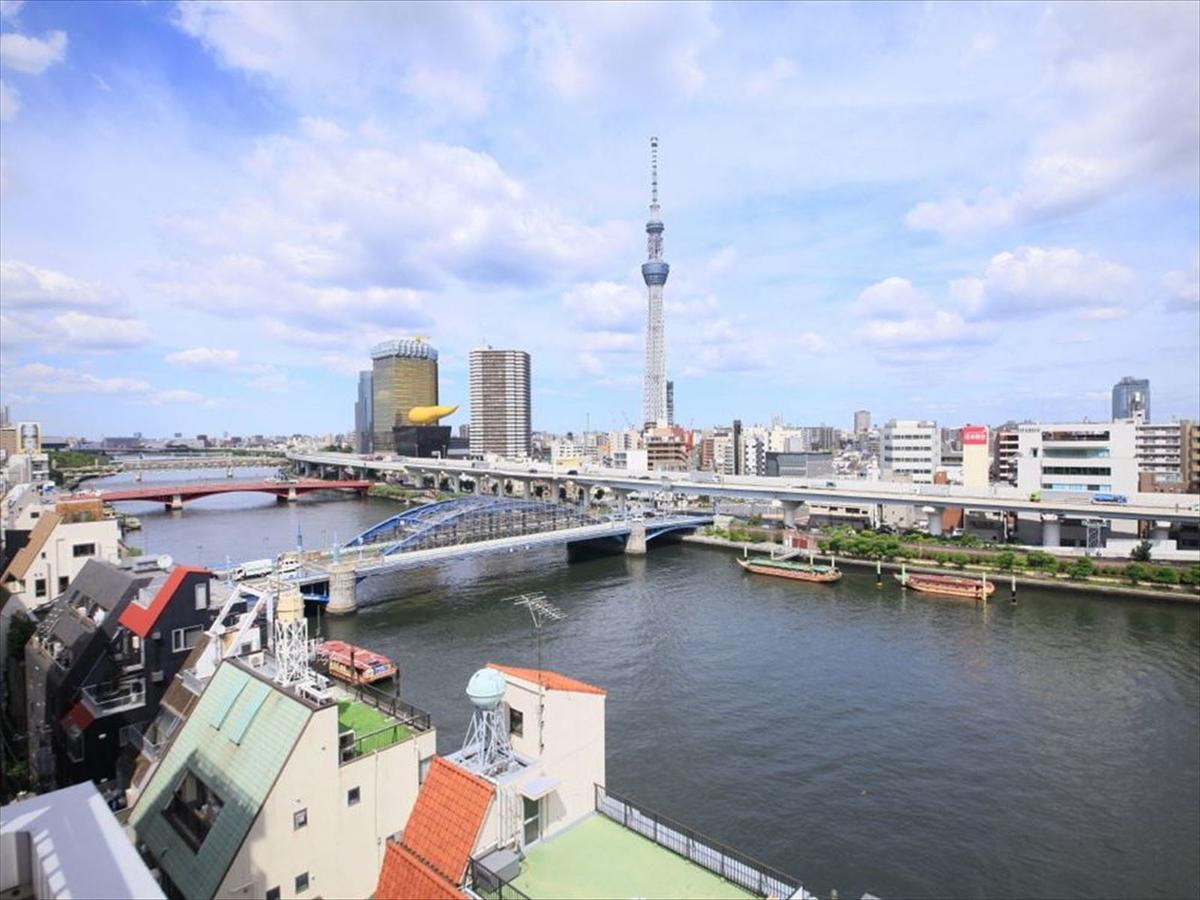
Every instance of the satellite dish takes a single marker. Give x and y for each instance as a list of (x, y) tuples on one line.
[(164, 561)]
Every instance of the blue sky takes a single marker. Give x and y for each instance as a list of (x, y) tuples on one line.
[(972, 213)]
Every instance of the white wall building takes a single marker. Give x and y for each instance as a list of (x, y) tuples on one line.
[(1159, 449), (913, 448), (57, 550), (500, 405), (1092, 457)]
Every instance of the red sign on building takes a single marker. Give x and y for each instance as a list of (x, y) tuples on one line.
[(974, 434)]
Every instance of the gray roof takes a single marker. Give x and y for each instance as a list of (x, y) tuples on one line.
[(77, 843)]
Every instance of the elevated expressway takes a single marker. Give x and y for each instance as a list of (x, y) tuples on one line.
[(1158, 509)]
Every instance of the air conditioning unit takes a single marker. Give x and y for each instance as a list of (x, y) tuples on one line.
[(157, 677)]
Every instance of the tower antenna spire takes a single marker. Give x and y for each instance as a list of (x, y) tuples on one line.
[(654, 171)]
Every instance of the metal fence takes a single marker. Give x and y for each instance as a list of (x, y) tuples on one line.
[(490, 886), (726, 862), (415, 718)]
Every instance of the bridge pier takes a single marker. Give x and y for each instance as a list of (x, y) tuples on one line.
[(1051, 530), (635, 544), (343, 589), (291, 497), (176, 503)]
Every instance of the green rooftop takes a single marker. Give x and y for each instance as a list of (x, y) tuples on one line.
[(600, 858), (373, 730)]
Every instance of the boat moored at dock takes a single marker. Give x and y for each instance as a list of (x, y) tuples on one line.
[(355, 665), (786, 568), (948, 585)]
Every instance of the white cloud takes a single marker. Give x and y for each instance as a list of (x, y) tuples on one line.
[(179, 395), (811, 342), (10, 102), (10, 8), (606, 306), (32, 55), (1124, 109), (204, 358), (1183, 287), (40, 378), (88, 332), (1037, 280), (767, 80), (892, 298), (342, 54), (594, 50), (25, 286), (940, 327)]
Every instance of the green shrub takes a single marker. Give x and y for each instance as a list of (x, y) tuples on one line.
[(1080, 569), (1040, 559), (1190, 575), (1137, 571), (1165, 575), (1141, 553), (1006, 560)]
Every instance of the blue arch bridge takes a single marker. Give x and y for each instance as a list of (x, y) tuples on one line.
[(474, 526)]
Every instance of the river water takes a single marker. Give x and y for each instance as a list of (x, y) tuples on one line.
[(856, 738)]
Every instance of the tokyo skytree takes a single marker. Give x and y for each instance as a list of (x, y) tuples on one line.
[(655, 271)]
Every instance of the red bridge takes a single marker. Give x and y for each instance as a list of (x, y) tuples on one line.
[(175, 496)]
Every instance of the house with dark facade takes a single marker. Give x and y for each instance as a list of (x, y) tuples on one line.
[(102, 657)]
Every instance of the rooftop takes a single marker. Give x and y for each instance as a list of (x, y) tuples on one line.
[(373, 728), (600, 858)]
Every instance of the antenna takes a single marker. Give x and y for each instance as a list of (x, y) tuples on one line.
[(654, 170), (541, 610)]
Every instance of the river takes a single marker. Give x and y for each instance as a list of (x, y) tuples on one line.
[(854, 737)]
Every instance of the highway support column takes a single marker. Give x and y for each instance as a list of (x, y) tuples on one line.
[(1051, 530), (933, 516)]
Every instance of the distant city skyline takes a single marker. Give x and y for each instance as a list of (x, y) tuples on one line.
[(949, 212)]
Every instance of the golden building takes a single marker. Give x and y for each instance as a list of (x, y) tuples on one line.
[(405, 376)]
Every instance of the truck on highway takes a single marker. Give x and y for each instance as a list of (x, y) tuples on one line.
[(256, 568)]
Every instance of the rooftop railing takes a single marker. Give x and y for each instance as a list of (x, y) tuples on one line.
[(489, 885), (109, 698), (730, 864)]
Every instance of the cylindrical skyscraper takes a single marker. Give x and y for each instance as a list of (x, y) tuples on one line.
[(655, 271)]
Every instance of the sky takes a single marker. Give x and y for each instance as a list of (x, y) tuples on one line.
[(209, 212)]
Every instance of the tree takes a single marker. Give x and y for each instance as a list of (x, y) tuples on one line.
[(1141, 553), (1137, 571), (1006, 560), (1080, 569)]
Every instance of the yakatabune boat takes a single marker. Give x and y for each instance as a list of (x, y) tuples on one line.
[(786, 568), (947, 585), (354, 664)]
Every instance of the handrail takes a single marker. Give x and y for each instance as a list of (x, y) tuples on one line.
[(718, 858), (491, 886)]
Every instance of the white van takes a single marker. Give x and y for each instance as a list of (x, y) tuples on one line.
[(288, 562)]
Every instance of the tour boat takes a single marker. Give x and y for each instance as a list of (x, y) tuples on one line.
[(354, 664), (948, 585), (786, 568)]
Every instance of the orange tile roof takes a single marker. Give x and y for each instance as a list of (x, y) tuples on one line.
[(405, 876), (140, 619), (550, 680), (446, 818)]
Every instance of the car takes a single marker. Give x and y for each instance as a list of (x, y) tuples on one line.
[(572, 471), (533, 471)]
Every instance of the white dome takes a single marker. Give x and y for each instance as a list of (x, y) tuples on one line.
[(486, 688)]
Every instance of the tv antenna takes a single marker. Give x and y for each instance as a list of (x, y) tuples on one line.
[(541, 610)]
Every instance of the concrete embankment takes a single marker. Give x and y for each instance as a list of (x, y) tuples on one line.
[(1002, 580)]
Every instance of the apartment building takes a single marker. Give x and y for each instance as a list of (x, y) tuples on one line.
[(912, 448)]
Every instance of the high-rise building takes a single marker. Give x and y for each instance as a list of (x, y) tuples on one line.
[(1131, 399), (1159, 449), (737, 447), (363, 408), (404, 376), (912, 448), (670, 403), (654, 273), (500, 408), (862, 421)]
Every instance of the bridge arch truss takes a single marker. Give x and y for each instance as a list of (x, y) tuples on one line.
[(469, 520)]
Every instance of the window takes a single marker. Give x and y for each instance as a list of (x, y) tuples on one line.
[(423, 769), (299, 819), (39, 587), (202, 595), (193, 809), (516, 722), (185, 638), (301, 882), (63, 581), (273, 893), (533, 820), (352, 797), (83, 550)]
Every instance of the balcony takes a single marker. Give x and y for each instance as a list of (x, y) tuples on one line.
[(113, 697)]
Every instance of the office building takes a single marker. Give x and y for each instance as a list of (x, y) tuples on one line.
[(1190, 456), (753, 454), (364, 408), (1159, 450), (799, 465), (500, 404), (1091, 457), (912, 449), (975, 456), (8, 441), (654, 272), (1131, 399), (862, 421), (404, 377)]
